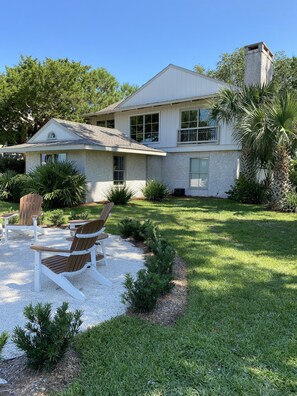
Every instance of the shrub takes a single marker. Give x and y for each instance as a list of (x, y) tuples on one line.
[(45, 339), (142, 293), (18, 186), (119, 194), (13, 163), (155, 191), (84, 215), (3, 339), (156, 279), (59, 183), (289, 203), (137, 230), (250, 192), (56, 217), (13, 186)]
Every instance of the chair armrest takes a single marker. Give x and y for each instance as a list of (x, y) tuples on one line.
[(41, 248), (74, 223), (8, 215)]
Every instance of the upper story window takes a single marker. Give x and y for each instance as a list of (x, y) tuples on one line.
[(197, 126), (105, 123), (57, 157), (145, 128), (51, 136)]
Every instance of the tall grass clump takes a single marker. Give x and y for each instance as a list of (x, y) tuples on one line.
[(155, 191), (119, 195)]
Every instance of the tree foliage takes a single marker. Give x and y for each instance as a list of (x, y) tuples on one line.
[(230, 68), (32, 92)]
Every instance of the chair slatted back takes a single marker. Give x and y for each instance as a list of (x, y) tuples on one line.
[(106, 211), (30, 205), (77, 262)]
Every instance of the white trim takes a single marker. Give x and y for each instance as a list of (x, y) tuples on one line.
[(50, 122), (70, 147), (200, 157), (144, 114)]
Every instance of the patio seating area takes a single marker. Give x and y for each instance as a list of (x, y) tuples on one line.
[(17, 281)]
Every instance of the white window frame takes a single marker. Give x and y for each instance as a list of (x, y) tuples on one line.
[(105, 123), (190, 173), (52, 154), (51, 136), (216, 126), (143, 115), (117, 170)]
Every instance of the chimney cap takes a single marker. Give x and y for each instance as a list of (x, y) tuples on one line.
[(260, 46)]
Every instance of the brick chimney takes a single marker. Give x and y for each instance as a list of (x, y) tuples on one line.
[(258, 64)]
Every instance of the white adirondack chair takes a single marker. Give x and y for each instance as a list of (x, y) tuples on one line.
[(30, 209), (69, 262)]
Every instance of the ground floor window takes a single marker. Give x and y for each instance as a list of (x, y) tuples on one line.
[(118, 170), (199, 172), (57, 157)]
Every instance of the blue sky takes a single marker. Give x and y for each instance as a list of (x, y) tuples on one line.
[(134, 40)]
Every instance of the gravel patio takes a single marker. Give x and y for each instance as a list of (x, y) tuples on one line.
[(17, 273)]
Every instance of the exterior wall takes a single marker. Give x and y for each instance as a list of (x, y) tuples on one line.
[(77, 156), (98, 168), (99, 173), (169, 123), (173, 83), (223, 170), (32, 160), (154, 168)]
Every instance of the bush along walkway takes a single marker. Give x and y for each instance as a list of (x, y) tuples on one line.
[(156, 279)]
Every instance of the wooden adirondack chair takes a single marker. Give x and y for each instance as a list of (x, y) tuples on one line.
[(69, 262), (30, 209), (105, 213)]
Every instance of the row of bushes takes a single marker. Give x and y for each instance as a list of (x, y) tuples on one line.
[(156, 279), (45, 339)]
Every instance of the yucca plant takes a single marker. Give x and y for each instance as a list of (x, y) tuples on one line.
[(119, 194), (59, 183)]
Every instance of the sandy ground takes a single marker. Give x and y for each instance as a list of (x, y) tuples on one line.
[(17, 273)]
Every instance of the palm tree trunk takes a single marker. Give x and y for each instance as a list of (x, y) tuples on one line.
[(280, 180), (247, 164)]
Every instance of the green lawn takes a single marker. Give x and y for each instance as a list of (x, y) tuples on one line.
[(238, 336)]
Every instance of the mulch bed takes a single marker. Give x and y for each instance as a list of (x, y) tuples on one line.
[(23, 381)]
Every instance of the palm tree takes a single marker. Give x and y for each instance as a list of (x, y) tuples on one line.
[(231, 106), (272, 133), (266, 126)]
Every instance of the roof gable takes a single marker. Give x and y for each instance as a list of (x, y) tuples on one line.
[(173, 83), (53, 131)]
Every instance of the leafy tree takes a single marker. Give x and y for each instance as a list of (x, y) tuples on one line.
[(32, 92), (230, 68)]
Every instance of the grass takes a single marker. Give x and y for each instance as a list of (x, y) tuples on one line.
[(238, 335)]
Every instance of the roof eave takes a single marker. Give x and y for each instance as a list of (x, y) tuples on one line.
[(155, 104), (48, 148)]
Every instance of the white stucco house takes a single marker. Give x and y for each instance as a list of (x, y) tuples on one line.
[(162, 131)]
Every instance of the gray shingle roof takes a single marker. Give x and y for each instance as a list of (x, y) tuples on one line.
[(90, 135)]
